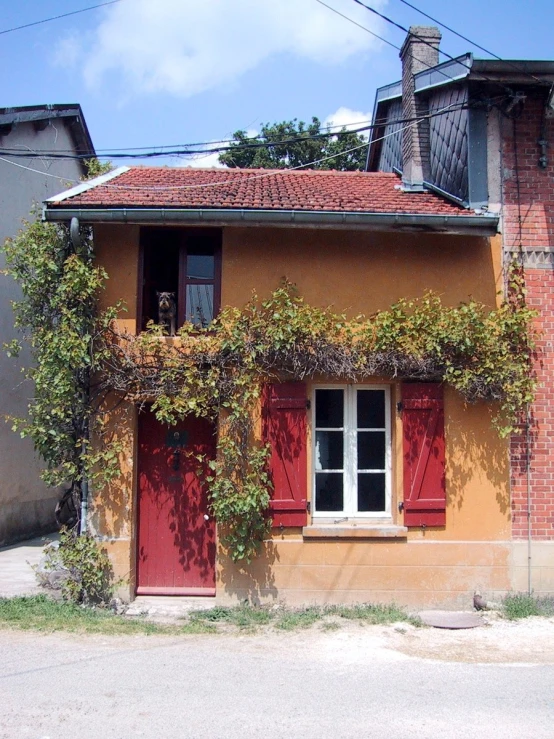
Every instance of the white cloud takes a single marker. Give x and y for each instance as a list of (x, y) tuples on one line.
[(349, 119), (66, 52), (203, 161), (209, 161), (184, 47)]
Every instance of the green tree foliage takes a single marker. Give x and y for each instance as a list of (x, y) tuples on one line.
[(299, 148), (58, 318), (95, 168), (85, 566)]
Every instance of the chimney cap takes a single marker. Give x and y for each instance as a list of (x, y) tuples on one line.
[(421, 34)]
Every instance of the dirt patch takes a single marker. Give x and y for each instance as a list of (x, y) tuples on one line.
[(498, 641)]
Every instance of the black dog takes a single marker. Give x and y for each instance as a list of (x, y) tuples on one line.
[(167, 311)]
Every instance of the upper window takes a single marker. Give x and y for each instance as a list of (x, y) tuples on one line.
[(352, 451), (186, 264)]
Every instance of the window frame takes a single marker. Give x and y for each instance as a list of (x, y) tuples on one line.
[(147, 234), (350, 455)]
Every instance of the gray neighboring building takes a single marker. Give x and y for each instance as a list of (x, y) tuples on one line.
[(26, 504)]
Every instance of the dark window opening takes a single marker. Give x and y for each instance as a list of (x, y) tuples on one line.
[(185, 263)]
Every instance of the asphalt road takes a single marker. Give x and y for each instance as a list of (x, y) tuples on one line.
[(307, 684)]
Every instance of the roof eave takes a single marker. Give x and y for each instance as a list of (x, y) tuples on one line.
[(469, 225)]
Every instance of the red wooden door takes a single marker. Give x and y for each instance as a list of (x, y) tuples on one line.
[(176, 534)]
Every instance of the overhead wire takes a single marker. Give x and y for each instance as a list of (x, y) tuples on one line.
[(469, 41), (394, 46), (427, 43), (57, 17), (271, 173), (364, 28), (213, 150), (329, 131)]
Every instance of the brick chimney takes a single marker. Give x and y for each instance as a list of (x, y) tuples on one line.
[(419, 51)]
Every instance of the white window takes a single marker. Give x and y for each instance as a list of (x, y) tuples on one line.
[(352, 451)]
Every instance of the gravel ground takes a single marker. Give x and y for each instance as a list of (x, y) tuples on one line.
[(358, 681)]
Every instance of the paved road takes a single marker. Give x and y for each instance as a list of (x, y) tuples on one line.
[(325, 685)]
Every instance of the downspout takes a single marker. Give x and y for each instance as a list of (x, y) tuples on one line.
[(529, 528), (76, 241)]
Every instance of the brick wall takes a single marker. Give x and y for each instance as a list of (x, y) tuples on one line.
[(532, 223)]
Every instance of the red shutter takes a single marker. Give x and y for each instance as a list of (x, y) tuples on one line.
[(424, 457), (285, 430)]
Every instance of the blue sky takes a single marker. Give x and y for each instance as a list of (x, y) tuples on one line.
[(160, 72)]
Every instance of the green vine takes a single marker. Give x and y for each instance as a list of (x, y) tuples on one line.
[(79, 359), (218, 372), (58, 318)]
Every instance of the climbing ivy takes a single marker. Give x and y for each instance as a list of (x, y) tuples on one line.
[(219, 371), (80, 358), (58, 319)]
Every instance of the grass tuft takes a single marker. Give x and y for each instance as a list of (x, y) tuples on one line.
[(41, 613), (522, 605), (370, 613), (299, 618), (44, 614), (243, 616)]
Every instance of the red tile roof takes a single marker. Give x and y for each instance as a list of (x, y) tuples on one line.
[(306, 190)]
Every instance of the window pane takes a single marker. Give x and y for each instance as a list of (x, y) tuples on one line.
[(200, 266), (200, 304), (328, 450), (371, 450), (328, 492), (371, 493), (329, 408), (371, 409)]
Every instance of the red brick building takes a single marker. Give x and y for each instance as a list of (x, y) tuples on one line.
[(485, 139)]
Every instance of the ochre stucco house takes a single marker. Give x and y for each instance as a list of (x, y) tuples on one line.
[(395, 490)]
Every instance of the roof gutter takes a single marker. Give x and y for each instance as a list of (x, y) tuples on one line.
[(476, 225)]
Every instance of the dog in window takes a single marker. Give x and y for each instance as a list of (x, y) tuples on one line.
[(167, 311)]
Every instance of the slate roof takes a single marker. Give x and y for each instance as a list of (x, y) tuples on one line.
[(305, 190)]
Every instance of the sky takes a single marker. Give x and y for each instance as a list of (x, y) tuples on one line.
[(153, 73)]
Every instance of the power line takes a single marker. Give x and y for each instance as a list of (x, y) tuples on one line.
[(329, 131), (427, 43), (394, 46), (469, 41), (271, 173), (221, 149), (351, 20), (57, 17), (37, 171)]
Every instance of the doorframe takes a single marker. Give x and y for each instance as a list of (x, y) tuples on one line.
[(159, 592)]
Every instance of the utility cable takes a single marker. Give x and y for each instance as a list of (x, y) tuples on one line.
[(57, 17), (364, 28), (329, 131), (469, 41), (219, 149), (394, 46), (272, 173), (427, 43), (208, 184)]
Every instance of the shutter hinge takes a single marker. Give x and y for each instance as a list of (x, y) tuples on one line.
[(400, 406), (308, 404), (401, 506), (308, 506)]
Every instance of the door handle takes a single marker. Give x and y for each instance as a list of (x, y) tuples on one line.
[(176, 459)]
